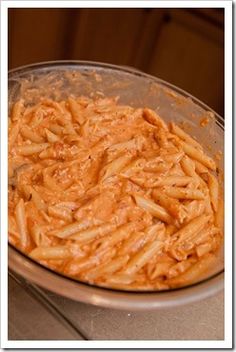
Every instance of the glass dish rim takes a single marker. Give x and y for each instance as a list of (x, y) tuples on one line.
[(131, 70)]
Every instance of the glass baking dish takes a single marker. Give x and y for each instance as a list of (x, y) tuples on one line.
[(137, 89)]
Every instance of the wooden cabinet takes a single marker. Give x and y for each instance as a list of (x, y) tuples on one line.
[(108, 35), (37, 35), (182, 46), (189, 53)]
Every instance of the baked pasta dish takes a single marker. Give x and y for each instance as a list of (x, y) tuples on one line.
[(111, 195)]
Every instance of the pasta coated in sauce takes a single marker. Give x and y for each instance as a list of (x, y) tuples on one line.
[(111, 195)]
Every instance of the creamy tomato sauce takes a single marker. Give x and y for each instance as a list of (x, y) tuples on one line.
[(111, 195)]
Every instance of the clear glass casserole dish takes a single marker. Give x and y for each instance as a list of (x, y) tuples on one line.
[(138, 90)]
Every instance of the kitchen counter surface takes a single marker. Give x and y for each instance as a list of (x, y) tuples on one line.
[(58, 318)]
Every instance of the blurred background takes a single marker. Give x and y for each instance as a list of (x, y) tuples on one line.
[(182, 46)]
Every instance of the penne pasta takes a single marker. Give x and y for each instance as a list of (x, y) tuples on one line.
[(173, 157), (219, 217), (69, 230), (56, 129), (133, 243), (45, 253), (133, 166), (50, 183), (161, 269), (157, 168), (194, 273), (76, 266), (141, 258), (122, 146), (203, 249), (120, 234), (190, 229), (68, 205), (183, 193), (21, 224), (110, 194), (54, 104), (31, 149), (153, 118), (92, 233), (51, 137), (13, 134), (12, 227), (170, 230), (180, 267), (173, 181), (138, 239), (195, 208), (109, 268), (29, 191), (183, 135), (198, 155), (161, 138), (200, 237), (76, 111), (38, 236), (114, 167), (153, 208), (200, 168), (60, 213), (172, 206), (27, 133), (188, 166), (149, 181), (213, 190), (17, 110)]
